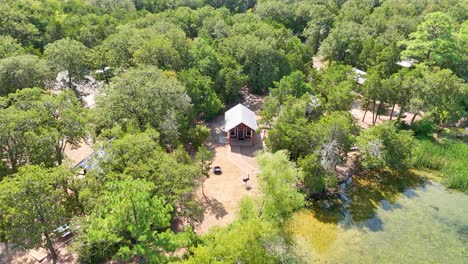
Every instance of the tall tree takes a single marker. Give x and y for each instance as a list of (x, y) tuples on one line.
[(294, 84), (291, 129), (319, 25), (32, 208), (434, 42), (400, 89), (140, 156), (71, 56), (17, 72), (129, 222), (444, 93), (373, 93), (278, 179), (37, 127), (200, 89), (344, 43), (146, 96), (250, 240), (335, 85), (15, 21), (204, 157)]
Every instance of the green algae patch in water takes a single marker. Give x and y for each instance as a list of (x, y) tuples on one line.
[(427, 173), (316, 234), (426, 223)]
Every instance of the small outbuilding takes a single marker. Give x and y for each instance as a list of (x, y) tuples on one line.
[(240, 125), (360, 76)]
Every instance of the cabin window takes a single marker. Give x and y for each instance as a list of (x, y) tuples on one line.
[(232, 133), (248, 133)]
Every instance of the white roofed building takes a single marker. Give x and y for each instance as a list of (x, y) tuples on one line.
[(240, 124), (406, 63), (360, 76)]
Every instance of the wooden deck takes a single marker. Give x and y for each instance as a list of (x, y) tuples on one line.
[(245, 142)]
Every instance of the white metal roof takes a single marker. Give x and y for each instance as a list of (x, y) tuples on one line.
[(237, 115), (360, 76), (406, 63)]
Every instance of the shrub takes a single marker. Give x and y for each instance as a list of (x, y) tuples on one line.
[(423, 127), (385, 145)]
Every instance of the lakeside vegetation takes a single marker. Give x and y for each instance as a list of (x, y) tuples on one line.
[(447, 158), (166, 68)]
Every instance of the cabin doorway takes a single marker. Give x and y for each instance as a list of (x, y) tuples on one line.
[(241, 135)]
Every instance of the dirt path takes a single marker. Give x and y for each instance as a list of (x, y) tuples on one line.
[(358, 113)]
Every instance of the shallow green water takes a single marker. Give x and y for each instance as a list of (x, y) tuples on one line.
[(384, 222)]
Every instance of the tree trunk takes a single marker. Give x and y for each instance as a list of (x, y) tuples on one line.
[(106, 78), (6, 245), (14, 165), (51, 248), (58, 150), (373, 111), (69, 80), (203, 189), (79, 204), (414, 117), (365, 112), (377, 114), (428, 55), (391, 113), (260, 211)]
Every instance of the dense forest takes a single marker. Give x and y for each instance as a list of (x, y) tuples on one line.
[(167, 67)]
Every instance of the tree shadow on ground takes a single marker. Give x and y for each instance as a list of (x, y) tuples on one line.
[(15, 255), (214, 207)]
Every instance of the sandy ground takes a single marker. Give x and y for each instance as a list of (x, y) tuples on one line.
[(89, 88), (223, 192), (75, 155), (318, 63), (19, 256), (357, 112)]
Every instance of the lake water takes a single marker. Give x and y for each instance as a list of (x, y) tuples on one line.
[(388, 219)]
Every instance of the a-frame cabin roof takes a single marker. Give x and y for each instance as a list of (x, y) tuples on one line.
[(237, 115)]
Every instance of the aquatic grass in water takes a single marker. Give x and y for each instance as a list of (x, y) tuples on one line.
[(449, 159)]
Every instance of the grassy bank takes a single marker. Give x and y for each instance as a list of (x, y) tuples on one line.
[(448, 159)]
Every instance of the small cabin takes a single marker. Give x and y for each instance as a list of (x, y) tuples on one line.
[(240, 125)]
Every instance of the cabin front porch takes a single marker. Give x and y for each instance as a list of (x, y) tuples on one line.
[(241, 135)]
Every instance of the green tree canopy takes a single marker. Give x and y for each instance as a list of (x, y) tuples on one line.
[(32, 208), (335, 86), (68, 55), (9, 46), (384, 145), (22, 71), (146, 96), (278, 179), (294, 84), (129, 222), (37, 127), (205, 101), (435, 43), (245, 241), (139, 156)]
